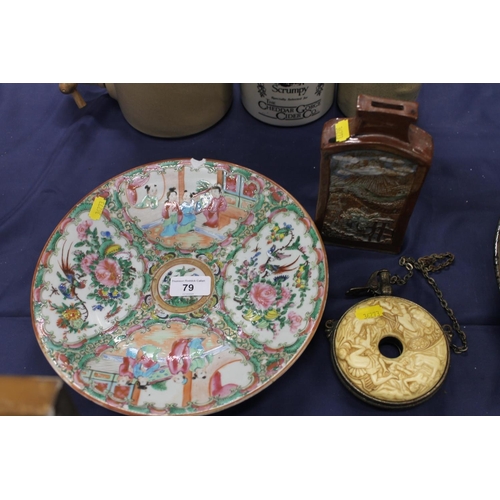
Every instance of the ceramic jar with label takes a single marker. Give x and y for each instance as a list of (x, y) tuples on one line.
[(287, 104)]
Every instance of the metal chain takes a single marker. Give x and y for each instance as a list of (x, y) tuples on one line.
[(431, 264)]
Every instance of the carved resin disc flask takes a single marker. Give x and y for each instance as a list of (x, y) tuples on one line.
[(416, 358), (372, 169), (389, 351)]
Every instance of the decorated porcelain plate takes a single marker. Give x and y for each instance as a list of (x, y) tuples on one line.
[(180, 287)]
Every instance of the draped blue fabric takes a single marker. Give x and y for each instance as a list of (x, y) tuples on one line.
[(52, 154)]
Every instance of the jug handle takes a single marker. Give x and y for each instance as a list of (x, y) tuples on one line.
[(71, 88)]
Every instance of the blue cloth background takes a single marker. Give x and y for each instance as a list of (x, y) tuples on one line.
[(52, 154)]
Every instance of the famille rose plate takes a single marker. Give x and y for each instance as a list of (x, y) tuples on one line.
[(180, 287)]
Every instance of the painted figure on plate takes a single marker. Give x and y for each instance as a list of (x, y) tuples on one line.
[(150, 200), (217, 204), (189, 210), (172, 214)]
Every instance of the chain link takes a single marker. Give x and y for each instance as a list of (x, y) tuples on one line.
[(431, 264)]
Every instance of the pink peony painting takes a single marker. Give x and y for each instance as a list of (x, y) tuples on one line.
[(81, 229), (262, 295), (108, 273), (295, 321), (88, 260)]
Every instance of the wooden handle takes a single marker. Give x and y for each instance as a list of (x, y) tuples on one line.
[(70, 88)]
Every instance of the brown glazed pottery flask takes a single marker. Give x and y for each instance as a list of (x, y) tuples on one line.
[(370, 178), (347, 93)]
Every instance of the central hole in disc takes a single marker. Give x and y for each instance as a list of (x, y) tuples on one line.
[(390, 347)]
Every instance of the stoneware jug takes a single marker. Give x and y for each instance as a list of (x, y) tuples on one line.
[(167, 109)]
